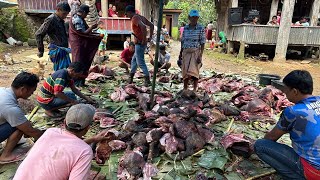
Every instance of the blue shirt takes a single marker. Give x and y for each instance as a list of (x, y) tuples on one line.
[(193, 38), (78, 23), (302, 121)]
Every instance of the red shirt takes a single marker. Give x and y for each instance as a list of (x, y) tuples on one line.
[(111, 12), (139, 36), (127, 55)]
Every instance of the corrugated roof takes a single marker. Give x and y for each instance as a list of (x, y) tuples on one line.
[(6, 4)]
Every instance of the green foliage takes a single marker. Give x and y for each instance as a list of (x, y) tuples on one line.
[(206, 8)]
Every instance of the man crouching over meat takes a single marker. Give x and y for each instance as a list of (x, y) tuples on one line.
[(61, 153), (13, 123), (302, 122), (52, 96)]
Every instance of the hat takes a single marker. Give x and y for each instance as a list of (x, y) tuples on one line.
[(130, 8), (84, 8), (80, 116), (194, 13)]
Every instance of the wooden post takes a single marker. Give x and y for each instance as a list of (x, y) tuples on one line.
[(274, 9), (104, 8), (284, 31), (314, 13), (242, 50)]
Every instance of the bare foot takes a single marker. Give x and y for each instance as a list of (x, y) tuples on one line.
[(10, 158)]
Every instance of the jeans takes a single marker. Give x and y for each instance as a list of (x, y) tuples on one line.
[(138, 59), (57, 102), (281, 157)]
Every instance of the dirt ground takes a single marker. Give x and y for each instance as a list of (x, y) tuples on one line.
[(25, 59)]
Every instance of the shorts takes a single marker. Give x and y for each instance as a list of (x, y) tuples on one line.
[(102, 47), (57, 102), (5, 131)]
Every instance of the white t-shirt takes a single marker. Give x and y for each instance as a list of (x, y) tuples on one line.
[(164, 58), (59, 155), (125, 45)]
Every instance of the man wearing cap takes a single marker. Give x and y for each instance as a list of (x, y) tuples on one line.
[(192, 46), (54, 27), (61, 153), (78, 20), (139, 28), (302, 122)]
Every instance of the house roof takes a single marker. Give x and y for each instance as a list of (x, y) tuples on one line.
[(6, 4), (172, 11)]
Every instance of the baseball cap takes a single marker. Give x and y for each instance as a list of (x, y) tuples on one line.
[(80, 116), (194, 13), (84, 8)]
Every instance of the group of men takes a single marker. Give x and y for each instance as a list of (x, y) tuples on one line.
[(62, 154)]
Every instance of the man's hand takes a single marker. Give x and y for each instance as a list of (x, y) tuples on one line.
[(129, 66), (40, 54), (101, 136)]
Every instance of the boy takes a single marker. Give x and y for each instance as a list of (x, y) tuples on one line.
[(302, 122), (103, 44), (126, 43), (164, 58), (126, 57)]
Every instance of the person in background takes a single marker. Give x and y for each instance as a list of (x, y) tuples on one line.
[(13, 123), (302, 22), (279, 17), (113, 12), (126, 57), (192, 46), (139, 28), (78, 20), (74, 5), (209, 31), (273, 22), (103, 44), (164, 58), (255, 20), (127, 42), (54, 27), (110, 11), (302, 122), (62, 153), (164, 30), (52, 96), (181, 30)]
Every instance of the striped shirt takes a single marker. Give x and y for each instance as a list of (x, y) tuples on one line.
[(54, 84), (193, 38)]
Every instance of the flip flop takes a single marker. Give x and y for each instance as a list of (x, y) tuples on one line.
[(16, 159)]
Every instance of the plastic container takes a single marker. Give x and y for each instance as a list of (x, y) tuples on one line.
[(265, 79)]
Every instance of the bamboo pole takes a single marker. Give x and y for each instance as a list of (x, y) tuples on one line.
[(32, 113), (155, 70)]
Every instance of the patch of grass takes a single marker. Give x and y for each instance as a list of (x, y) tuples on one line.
[(222, 56)]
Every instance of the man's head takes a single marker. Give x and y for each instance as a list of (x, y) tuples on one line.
[(101, 24), (255, 19), (75, 70), (274, 18), (193, 17), (130, 11), (83, 10), (114, 8), (63, 9), (131, 47), (79, 118), (110, 6), (279, 13), (298, 84), (24, 84), (303, 20), (128, 38), (162, 49)]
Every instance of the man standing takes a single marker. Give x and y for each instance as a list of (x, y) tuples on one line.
[(302, 122), (55, 28), (13, 123), (61, 153), (139, 28), (52, 96)]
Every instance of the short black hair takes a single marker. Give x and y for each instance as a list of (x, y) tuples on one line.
[(131, 44), (25, 79), (274, 17), (84, 8), (300, 80), (64, 6), (130, 8), (100, 22), (128, 37), (162, 47), (303, 17), (77, 67)]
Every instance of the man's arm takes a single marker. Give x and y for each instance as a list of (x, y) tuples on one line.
[(62, 96), (274, 134), (89, 30), (122, 60), (151, 25), (28, 130), (77, 92), (40, 34)]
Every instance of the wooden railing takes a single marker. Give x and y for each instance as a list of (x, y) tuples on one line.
[(117, 25), (267, 35), (38, 6)]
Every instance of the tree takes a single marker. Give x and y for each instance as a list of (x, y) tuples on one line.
[(206, 8)]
